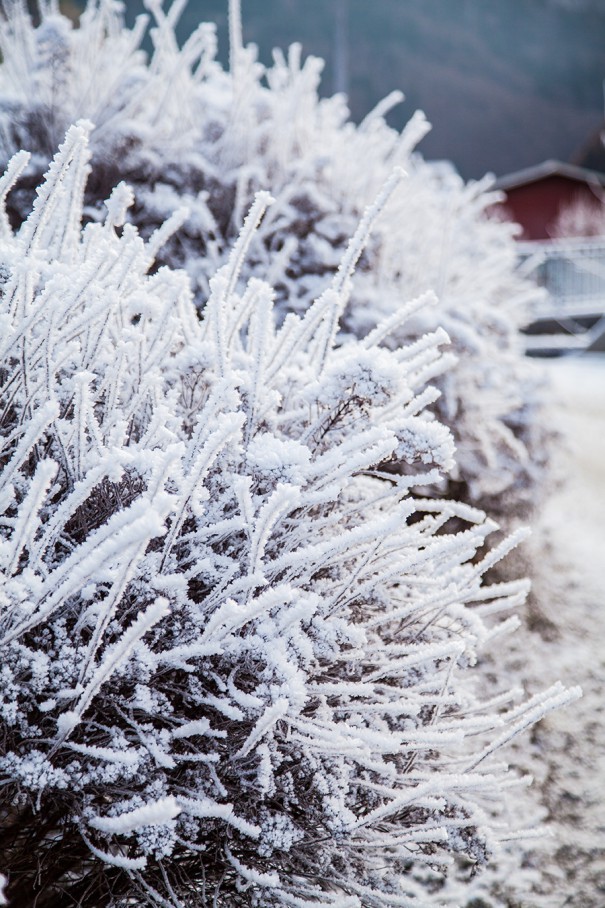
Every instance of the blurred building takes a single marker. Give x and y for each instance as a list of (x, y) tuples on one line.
[(542, 199), (561, 211)]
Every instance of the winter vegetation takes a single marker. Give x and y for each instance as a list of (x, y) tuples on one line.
[(237, 651), (581, 218), (258, 367), (185, 133)]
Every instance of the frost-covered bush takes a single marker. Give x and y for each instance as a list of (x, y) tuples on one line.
[(182, 131), (581, 217), (236, 657)]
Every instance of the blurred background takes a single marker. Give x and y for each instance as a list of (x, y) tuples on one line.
[(513, 88), (505, 83)]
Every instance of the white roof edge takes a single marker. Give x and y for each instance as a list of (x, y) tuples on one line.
[(547, 169)]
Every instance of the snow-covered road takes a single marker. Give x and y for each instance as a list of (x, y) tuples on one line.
[(577, 513), (563, 639), (571, 743)]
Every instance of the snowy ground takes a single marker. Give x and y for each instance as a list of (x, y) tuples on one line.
[(566, 752), (572, 743)]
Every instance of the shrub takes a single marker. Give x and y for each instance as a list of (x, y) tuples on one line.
[(184, 132), (236, 656)]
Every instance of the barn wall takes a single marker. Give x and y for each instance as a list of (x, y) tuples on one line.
[(535, 206)]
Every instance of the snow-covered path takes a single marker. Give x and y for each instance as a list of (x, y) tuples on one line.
[(577, 512), (571, 743), (565, 754)]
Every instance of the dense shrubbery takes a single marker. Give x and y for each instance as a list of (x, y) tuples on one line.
[(236, 655), (182, 131), (239, 609)]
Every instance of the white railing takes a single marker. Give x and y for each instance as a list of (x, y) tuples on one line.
[(572, 271)]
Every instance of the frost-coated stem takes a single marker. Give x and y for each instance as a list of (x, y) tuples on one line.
[(236, 41), (340, 282)]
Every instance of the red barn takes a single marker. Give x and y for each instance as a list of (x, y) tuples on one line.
[(536, 196)]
